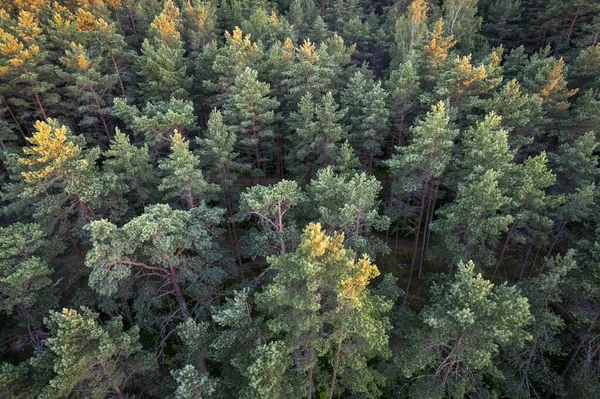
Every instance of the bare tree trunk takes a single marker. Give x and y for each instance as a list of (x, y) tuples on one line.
[(508, 235), (414, 254), (118, 76), (425, 229), (179, 294), (336, 364)]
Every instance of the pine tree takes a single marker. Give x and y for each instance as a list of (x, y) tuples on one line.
[(272, 206), (219, 162), (471, 226), (165, 251), (465, 324), (420, 167), (249, 110), (200, 21), (229, 62), (63, 179), (157, 121), (88, 84), (183, 177), (25, 282), (402, 87), (318, 303), (318, 133), (132, 165), (348, 204), (530, 206), (367, 116), (162, 64), (88, 360), (25, 75)]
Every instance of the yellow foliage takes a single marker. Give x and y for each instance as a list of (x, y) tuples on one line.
[(33, 6), (85, 20), (76, 58), (308, 53), (274, 19), (62, 16), (9, 44), (437, 49), (166, 25), (417, 11), (51, 150), (352, 288), (319, 245), (467, 75), (239, 42), (28, 27), (554, 91), (177, 139), (288, 50)]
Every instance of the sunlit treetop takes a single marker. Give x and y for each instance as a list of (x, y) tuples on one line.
[(555, 90), (417, 11), (76, 58), (239, 42), (307, 52), (50, 151), (167, 24), (288, 50), (352, 288), (437, 49)]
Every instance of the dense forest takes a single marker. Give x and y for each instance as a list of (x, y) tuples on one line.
[(195, 195)]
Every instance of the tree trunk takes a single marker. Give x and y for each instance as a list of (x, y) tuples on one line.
[(414, 254), (524, 262), (508, 235), (425, 229), (118, 76), (428, 236), (311, 387), (179, 294), (336, 364)]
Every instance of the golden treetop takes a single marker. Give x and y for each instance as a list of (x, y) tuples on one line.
[(288, 50), (307, 51), (166, 25), (76, 58), (51, 150), (417, 11), (352, 287), (320, 246), (28, 27), (238, 41), (274, 19), (437, 49), (555, 89)]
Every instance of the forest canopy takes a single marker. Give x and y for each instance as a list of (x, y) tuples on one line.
[(213, 199)]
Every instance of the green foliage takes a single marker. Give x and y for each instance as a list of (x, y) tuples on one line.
[(183, 177), (88, 360), (467, 322)]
